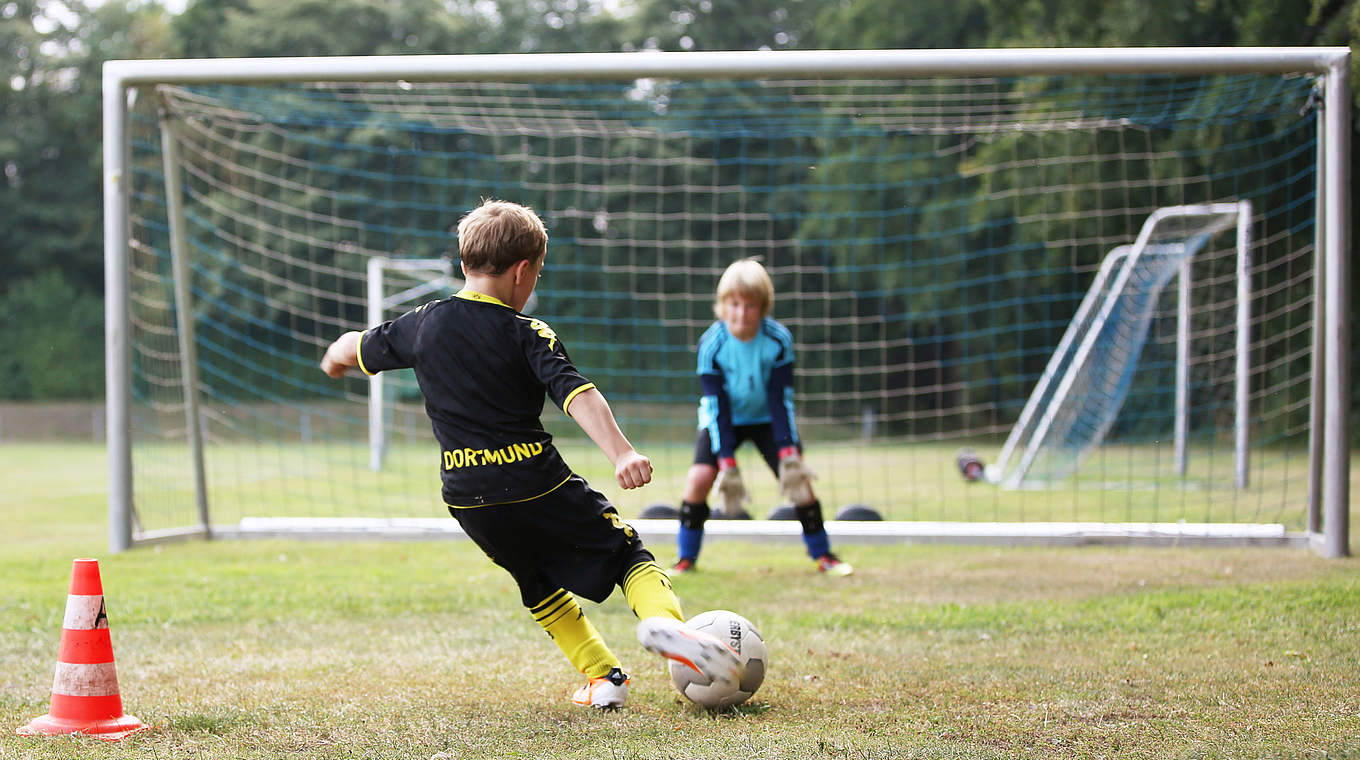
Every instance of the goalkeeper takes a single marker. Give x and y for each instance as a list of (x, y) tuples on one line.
[(483, 368), (746, 380)]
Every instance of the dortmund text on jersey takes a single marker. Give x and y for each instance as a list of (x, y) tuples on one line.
[(483, 369)]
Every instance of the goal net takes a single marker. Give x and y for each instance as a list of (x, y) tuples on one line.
[(931, 239)]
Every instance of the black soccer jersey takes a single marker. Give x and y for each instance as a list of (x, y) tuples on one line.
[(483, 368)]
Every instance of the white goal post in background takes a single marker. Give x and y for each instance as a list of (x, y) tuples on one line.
[(422, 280), (435, 277), (907, 383), (1082, 353)]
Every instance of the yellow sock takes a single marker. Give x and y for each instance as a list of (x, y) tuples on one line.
[(569, 628), (648, 591)]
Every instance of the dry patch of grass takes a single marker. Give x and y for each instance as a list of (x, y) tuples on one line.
[(271, 650)]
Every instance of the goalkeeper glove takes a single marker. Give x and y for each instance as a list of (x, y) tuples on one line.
[(969, 465), (795, 477), (731, 491)]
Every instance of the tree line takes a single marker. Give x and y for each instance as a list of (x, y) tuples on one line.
[(51, 228)]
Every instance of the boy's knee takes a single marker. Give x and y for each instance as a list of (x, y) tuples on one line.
[(699, 481), (693, 515)]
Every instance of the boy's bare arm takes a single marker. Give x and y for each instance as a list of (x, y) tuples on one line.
[(591, 411), (341, 355)]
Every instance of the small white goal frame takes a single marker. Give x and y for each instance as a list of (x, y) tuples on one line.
[(378, 302), (1034, 423)]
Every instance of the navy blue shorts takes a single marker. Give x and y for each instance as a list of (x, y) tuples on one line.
[(761, 435)]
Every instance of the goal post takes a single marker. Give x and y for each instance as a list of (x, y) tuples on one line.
[(433, 278), (932, 220), (1081, 390), (418, 280)]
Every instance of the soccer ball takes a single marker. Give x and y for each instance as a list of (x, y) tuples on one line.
[(738, 632)]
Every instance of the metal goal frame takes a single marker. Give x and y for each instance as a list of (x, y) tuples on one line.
[(1329, 448)]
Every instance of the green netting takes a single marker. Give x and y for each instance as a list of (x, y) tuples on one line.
[(930, 241)]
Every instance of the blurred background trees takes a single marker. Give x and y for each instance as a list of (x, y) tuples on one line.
[(51, 53)]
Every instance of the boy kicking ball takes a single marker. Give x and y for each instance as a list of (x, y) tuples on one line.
[(484, 368)]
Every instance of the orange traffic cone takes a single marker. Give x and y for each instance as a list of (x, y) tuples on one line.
[(85, 697)]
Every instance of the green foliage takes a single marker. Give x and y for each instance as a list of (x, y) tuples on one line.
[(961, 24), (715, 25), (50, 156), (1083, 23), (217, 28), (45, 150), (53, 344), (51, 232)]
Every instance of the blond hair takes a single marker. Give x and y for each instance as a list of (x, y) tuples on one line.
[(497, 234), (748, 279)]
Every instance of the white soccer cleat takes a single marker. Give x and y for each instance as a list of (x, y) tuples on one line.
[(834, 566), (605, 693), (674, 640)]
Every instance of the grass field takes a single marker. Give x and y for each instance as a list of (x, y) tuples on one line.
[(267, 649)]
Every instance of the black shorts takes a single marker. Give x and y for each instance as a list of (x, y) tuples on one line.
[(570, 538), (761, 435)]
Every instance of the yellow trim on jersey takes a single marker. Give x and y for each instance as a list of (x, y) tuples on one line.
[(566, 403), (472, 295), (359, 354), (512, 501)]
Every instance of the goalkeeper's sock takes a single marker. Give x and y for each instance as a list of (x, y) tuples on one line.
[(648, 591), (688, 542), (567, 625), (814, 530), (818, 544)]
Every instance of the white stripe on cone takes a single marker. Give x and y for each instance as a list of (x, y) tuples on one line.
[(84, 613), (85, 680)]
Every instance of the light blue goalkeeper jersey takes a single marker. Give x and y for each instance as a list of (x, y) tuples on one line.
[(746, 383)]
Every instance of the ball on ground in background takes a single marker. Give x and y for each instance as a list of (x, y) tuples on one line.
[(659, 511), (858, 512), (739, 634), (783, 512)]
